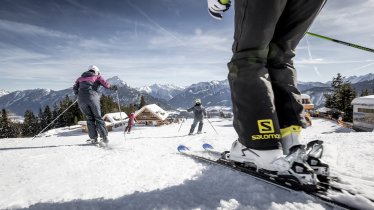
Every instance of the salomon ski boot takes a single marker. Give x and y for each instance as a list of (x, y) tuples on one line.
[(274, 163), (290, 137), (314, 152)]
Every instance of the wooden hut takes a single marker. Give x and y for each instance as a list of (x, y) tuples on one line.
[(151, 115)]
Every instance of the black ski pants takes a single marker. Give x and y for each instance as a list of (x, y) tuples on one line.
[(262, 76)]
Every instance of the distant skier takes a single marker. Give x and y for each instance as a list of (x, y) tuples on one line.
[(266, 103), (199, 113), (130, 123), (86, 88)]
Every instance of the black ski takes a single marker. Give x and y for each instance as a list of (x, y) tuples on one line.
[(319, 192)]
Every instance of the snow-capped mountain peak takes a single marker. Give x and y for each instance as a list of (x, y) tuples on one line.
[(3, 92), (145, 89), (116, 81), (166, 92), (363, 78)]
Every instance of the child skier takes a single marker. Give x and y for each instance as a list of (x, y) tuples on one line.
[(130, 123), (86, 88), (199, 113), (266, 103)]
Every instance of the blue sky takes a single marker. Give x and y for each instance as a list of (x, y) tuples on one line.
[(48, 44)]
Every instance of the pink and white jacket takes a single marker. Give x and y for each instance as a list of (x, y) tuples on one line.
[(88, 84)]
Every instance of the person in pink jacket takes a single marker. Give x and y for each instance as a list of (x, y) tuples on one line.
[(86, 88), (130, 123)]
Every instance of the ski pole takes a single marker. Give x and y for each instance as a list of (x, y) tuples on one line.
[(212, 125), (55, 119), (180, 126), (120, 113), (341, 42)]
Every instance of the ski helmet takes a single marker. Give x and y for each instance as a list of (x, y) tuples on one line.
[(94, 69), (198, 101)]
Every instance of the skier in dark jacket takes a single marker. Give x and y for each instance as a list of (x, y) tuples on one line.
[(199, 113), (266, 102), (86, 88)]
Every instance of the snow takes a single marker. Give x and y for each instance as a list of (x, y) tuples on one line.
[(3, 92), (365, 100), (362, 78), (115, 117), (166, 91), (156, 110), (116, 81), (143, 170)]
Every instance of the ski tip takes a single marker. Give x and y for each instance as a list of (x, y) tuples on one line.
[(182, 148), (207, 146)]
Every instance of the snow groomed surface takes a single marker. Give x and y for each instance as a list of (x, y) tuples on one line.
[(145, 171)]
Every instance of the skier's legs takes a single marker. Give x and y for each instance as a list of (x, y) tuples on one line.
[(129, 130), (100, 124), (297, 17), (201, 123), (195, 121), (255, 117), (86, 110)]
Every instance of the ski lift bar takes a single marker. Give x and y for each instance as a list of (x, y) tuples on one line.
[(341, 42)]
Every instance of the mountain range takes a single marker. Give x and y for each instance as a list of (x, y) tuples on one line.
[(169, 97), (165, 92), (316, 90), (20, 101), (3, 92)]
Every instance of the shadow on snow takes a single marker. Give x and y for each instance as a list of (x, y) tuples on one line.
[(210, 190)]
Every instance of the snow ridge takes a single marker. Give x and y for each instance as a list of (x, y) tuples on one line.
[(3, 92), (166, 92)]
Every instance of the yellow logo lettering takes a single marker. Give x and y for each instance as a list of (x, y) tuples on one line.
[(265, 126)]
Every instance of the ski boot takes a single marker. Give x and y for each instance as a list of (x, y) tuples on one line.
[(104, 142), (199, 132), (92, 141), (274, 164), (314, 152), (290, 137)]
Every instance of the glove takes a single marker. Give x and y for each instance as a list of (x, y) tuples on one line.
[(113, 87), (217, 7)]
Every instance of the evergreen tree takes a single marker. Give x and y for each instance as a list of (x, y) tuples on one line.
[(47, 115), (42, 120), (6, 128), (55, 114), (341, 97), (68, 117), (142, 102), (364, 92), (331, 98), (17, 128), (30, 125), (337, 81), (131, 108), (108, 105), (78, 116), (2, 124)]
